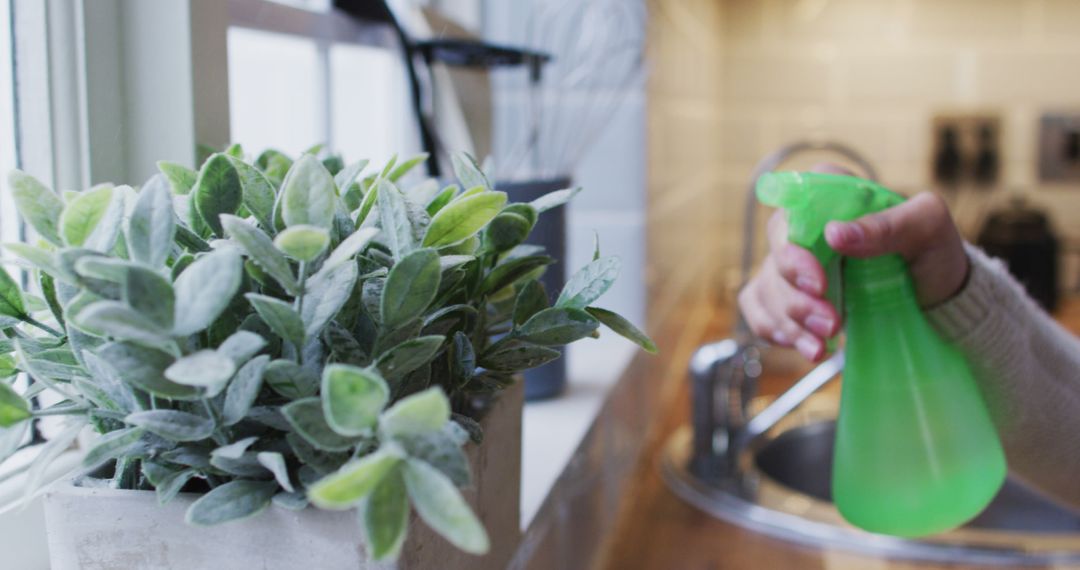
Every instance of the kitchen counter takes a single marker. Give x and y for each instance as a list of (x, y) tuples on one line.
[(658, 531)]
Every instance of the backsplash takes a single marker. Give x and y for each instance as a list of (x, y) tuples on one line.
[(735, 79)]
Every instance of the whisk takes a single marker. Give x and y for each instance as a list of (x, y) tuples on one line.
[(598, 48)]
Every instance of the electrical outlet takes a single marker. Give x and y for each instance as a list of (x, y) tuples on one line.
[(966, 150), (1059, 147)]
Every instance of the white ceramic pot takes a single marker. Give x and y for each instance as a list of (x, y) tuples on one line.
[(107, 529)]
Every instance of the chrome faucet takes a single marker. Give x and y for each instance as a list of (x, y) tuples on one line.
[(725, 373)]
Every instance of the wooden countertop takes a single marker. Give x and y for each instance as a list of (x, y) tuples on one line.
[(658, 531)]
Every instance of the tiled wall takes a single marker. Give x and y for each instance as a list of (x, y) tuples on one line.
[(735, 79)]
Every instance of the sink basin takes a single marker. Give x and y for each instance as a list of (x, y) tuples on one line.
[(801, 459), (780, 487)]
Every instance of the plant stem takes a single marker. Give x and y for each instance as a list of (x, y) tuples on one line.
[(217, 435), (32, 321), (61, 411), (299, 305)]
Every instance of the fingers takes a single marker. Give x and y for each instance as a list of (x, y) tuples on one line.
[(905, 229), (795, 264), (786, 316)]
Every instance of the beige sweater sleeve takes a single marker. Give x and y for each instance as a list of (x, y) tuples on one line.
[(1028, 368)]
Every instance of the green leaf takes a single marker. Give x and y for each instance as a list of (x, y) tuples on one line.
[(232, 501), (308, 194), (348, 248), (290, 379), (258, 193), (464, 362), (403, 168), (275, 463), (81, 216), (151, 295), (419, 414), (172, 424), (303, 242), (295, 501), (13, 408), (280, 316), (408, 356), (306, 417), (39, 206), (442, 450), (11, 298), (468, 171), (557, 326), (35, 256), (463, 218), (144, 368), (261, 250), (171, 485), (531, 299), (243, 390), (347, 176), (118, 320), (511, 270), (442, 199), (352, 398), (397, 230), (112, 445), (442, 507), (589, 283), (554, 199), (205, 288), (327, 293), (241, 346), (506, 231), (385, 517), (623, 328), (356, 479), (217, 191), (322, 462), (107, 380), (366, 205), (181, 178), (152, 225), (410, 287), (515, 358), (204, 368)]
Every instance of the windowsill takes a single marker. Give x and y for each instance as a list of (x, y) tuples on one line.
[(552, 430)]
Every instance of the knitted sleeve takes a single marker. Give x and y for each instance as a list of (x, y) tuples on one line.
[(1028, 369)]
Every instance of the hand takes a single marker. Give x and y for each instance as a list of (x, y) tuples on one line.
[(784, 303)]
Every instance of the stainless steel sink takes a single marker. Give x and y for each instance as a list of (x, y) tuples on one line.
[(779, 485), (801, 460)]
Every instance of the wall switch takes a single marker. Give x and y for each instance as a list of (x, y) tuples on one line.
[(966, 150), (1059, 147)]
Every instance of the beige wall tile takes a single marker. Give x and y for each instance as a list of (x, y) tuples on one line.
[(1033, 77), (962, 20), (782, 78), (901, 77)]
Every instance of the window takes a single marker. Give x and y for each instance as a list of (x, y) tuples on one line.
[(9, 223), (343, 82)]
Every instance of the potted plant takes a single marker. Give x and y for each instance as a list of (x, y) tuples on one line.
[(261, 336)]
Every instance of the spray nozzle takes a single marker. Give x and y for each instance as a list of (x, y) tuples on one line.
[(813, 199)]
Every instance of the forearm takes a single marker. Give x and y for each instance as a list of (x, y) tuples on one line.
[(1028, 369)]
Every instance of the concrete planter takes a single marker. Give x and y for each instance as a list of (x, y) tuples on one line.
[(95, 528)]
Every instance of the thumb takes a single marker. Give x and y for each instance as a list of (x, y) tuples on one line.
[(901, 229)]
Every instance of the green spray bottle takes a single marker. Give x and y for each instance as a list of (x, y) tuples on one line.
[(916, 452)]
